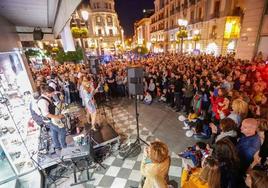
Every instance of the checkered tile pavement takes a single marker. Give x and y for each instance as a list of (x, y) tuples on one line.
[(126, 174)]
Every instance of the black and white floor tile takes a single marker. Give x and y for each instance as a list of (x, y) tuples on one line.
[(125, 173)]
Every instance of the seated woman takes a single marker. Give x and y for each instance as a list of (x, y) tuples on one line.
[(155, 165)]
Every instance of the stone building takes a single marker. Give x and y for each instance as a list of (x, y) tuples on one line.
[(106, 36), (218, 22)]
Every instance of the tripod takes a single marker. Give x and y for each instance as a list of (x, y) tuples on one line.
[(136, 146)]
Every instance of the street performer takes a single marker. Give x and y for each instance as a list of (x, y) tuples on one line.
[(48, 111)]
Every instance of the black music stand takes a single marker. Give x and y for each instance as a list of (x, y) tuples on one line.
[(53, 178)]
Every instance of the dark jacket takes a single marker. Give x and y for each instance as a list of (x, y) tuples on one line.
[(246, 148), (264, 148)]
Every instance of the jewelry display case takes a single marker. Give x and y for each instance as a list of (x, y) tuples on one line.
[(18, 136)]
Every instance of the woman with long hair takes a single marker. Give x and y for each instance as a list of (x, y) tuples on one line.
[(256, 179), (88, 93), (263, 133), (206, 177), (155, 165), (226, 154)]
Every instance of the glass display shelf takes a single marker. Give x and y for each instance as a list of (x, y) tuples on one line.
[(6, 169), (18, 136)]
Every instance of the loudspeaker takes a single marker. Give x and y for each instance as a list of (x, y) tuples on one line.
[(94, 65), (38, 34), (135, 80)]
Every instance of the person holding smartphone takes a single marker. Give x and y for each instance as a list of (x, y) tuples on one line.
[(155, 165)]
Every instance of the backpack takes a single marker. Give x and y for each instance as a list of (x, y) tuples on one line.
[(36, 117)]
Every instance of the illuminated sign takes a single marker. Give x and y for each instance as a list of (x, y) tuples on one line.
[(232, 27)]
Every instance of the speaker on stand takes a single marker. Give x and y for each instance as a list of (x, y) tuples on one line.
[(135, 87), (94, 63)]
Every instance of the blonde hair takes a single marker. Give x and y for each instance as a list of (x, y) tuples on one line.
[(158, 152), (240, 107), (263, 125)]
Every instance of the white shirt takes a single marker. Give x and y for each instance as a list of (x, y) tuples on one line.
[(43, 106), (151, 87), (52, 84), (148, 98)]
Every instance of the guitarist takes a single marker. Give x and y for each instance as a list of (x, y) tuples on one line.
[(48, 111)]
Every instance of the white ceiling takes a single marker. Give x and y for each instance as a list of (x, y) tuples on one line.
[(32, 13)]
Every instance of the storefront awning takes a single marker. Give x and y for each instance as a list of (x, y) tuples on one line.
[(52, 14)]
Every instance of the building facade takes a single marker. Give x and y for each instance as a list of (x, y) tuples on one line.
[(211, 18), (105, 35), (254, 31), (142, 33)]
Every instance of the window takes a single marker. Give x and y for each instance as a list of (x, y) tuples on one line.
[(109, 19), (99, 32), (110, 32), (192, 17), (86, 44), (106, 5), (110, 6), (217, 9), (200, 13), (97, 5), (98, 19)]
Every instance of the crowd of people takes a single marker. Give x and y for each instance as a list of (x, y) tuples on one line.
[(223, 100)]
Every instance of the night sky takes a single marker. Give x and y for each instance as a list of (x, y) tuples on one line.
[(129, 11)]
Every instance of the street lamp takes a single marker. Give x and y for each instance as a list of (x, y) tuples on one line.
[(196, 37), (182, 33), (84, 15)]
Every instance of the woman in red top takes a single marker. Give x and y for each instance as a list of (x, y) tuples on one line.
[(220, 104)]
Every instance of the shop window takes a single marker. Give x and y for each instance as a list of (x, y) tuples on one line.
[(15, 94)]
